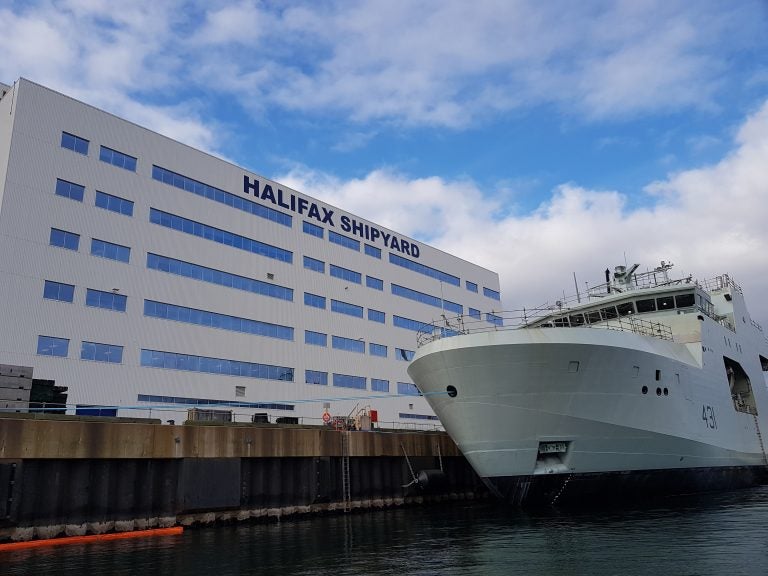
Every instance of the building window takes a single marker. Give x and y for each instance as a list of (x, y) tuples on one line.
[(239, 391), (208, 365), (218, 195), (220, 236), (189, 270), (64, 239), (342, 240), (58, 291), (215, 320), (376, 316), (346, 274), (379, 385), (315, 338), (377, 350), (348, 344), (316, 377), (69, 190), (106, 300), (412, 416), (407, 389), (471, 286), (475, 313), (409, 324), (406, 355), (101, 352), (347, 381), (52, 346), (314, 300), (313, 229), (373, 251), (346, 308), (375, 283), (184, 401), (72, 142), (494, 319), (427, 299), (315, 265), (491, 293), (118, 159), (425, 270), (114, 203), (105, 249)]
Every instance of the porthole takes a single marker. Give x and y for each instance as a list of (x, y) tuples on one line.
[(666, 392), (645, 389), (451, 389), (658, 391)]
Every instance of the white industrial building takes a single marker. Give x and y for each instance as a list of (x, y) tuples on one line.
[(148, 277)]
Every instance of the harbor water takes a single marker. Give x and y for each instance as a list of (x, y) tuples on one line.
[(715, 534)]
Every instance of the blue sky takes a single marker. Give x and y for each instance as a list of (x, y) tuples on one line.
[(535, 138)]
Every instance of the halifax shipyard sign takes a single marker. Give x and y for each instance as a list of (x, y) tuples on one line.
[(309, 209)]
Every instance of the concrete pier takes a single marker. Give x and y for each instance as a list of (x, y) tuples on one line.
[(73, 476)]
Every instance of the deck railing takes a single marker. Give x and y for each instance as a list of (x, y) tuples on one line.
[(521, 319)]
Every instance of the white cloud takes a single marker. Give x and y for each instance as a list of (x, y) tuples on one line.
[(709, 221)]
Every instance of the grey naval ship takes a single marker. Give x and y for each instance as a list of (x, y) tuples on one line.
[(644, 386)]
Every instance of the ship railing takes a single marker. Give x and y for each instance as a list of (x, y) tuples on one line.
[(722, 282), (522, 319)]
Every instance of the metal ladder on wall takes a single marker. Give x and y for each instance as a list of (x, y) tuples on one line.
[(346, 487), (760, 439)]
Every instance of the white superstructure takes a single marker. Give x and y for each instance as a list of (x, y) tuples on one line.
[(143, 274), (645, 385)]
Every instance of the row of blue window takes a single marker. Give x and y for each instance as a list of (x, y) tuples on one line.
[(346, 274), (426, 299), (345, 381), (218, 195), (373, 251), (314, 264), (413, 416), (346, 308), (218, 235), (406, 355), (213, 276), (110, 202), (116, 158), (313, 229), (215, 320), (101, 248), (348, 344), (181, 400), (94, 298), (342, 240), (377, 350), (51, 346), (105, 249), (192, 363), (359, 382), (315, 338), (424, 269), (108, 155), (98, 352)]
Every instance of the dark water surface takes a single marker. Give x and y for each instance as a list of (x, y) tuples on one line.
[(717, 534)]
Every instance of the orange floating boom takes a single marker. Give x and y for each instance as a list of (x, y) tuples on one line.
[(91, 538)]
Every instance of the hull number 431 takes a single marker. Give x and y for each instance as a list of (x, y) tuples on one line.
[(708, 415)]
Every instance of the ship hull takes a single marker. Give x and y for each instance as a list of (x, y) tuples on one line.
[(572, 415), (637, 486)]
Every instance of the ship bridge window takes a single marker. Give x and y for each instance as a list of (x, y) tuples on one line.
[(577, 320), (648, 305), (665, 302), (684, 300), (593, 317), (609, 313), (626, 308), (764, 363), (561, 322)]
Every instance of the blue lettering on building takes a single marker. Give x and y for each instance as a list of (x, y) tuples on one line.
[(324, 216)]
